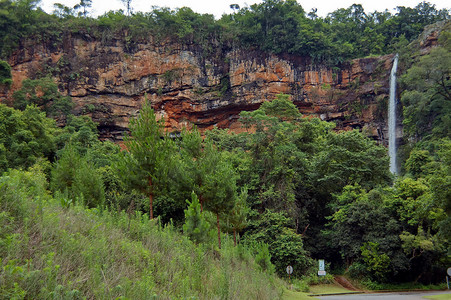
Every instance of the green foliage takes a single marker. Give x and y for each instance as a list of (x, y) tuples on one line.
[(82, 7), (275, 26), (426, 96), (149, 150), (195, 227), (343, 159), (286, 247), (417, 163), (359, 218), (22, 19), (43, 93), (25, 137), (376, 262), (236, 219), (5, 73), (77, 253), (73, 175), (263, 258), (283, 27)]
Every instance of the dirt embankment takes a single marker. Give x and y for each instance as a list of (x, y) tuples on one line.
[(345, 283)]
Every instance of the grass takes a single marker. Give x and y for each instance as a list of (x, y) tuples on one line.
[(293, 295), (442, 296), (48, 251), (402, 286), (328, 289)]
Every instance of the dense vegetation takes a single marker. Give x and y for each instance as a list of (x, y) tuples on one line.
[(81, 218), (274, 26)]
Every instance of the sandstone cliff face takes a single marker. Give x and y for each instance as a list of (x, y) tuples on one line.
[(109, 83)]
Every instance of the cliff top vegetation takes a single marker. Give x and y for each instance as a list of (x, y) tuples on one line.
[(275, 26)]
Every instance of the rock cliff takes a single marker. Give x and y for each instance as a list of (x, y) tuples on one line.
[(109, 82)]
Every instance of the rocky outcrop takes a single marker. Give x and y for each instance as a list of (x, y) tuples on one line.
[(109, 82)]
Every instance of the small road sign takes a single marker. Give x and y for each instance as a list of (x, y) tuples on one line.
[(289, 270), (449, 271), (321, 265)]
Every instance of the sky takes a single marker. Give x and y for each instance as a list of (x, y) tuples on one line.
[(219, 7)]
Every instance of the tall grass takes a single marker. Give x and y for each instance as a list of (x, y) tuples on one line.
[(50, 251)]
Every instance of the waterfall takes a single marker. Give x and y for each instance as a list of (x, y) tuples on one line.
[(392, 119)]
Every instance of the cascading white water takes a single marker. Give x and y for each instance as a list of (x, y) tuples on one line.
[(392, 119)]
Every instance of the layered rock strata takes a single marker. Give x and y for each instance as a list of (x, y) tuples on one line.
[(110, 81)]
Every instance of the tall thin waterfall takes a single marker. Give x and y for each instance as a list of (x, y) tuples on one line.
[(392, 119)]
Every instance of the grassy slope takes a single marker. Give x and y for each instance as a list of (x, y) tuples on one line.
[(48, 251), (328, 289), (443, 296)]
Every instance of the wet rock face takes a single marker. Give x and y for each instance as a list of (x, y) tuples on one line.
[(110, 83)]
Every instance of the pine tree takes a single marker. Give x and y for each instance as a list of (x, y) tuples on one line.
[(237, 217), (149, 150), (195, 227), (219, 185)]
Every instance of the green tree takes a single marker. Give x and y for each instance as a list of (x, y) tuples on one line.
[(285, 246), (376, 262), (343, 160), (417, 163), (195, 227), (148, 152), (360, 217), (5, 73), (73, 175), (63, 11), (25, 137), (44, 93), (236, 219), (427, 96), (83, 7), (218, 188)]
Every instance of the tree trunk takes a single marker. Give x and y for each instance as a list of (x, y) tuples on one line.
[(150, 198), (201, 201), (234, 237), (219, 232)]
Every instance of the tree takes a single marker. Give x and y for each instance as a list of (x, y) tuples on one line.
[(63, 11), (219, 185), (278, 162), (360, 217), (343, 160), (148, 149), (236, 219), (285, 246), (84, 5), (427, 96), (128, 7), (25, 137), (195, 227), (5, 73), (376, 262), (43, 93)]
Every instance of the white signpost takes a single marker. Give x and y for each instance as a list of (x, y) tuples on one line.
[(321, 268), (449, 275), (289, 271)]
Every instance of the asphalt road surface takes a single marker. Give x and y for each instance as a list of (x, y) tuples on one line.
[(387, 296)]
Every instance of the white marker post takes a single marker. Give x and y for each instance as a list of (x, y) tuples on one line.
[(447, 276), (289, 271), (321, 268)]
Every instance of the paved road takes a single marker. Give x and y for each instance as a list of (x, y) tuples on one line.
[(387, 296)]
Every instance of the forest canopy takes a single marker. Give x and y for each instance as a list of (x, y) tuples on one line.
[(275, 26)]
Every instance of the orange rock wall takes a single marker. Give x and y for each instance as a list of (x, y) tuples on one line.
[(110, 82)]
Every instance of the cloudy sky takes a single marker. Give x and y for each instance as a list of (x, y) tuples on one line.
[(219, 7)]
